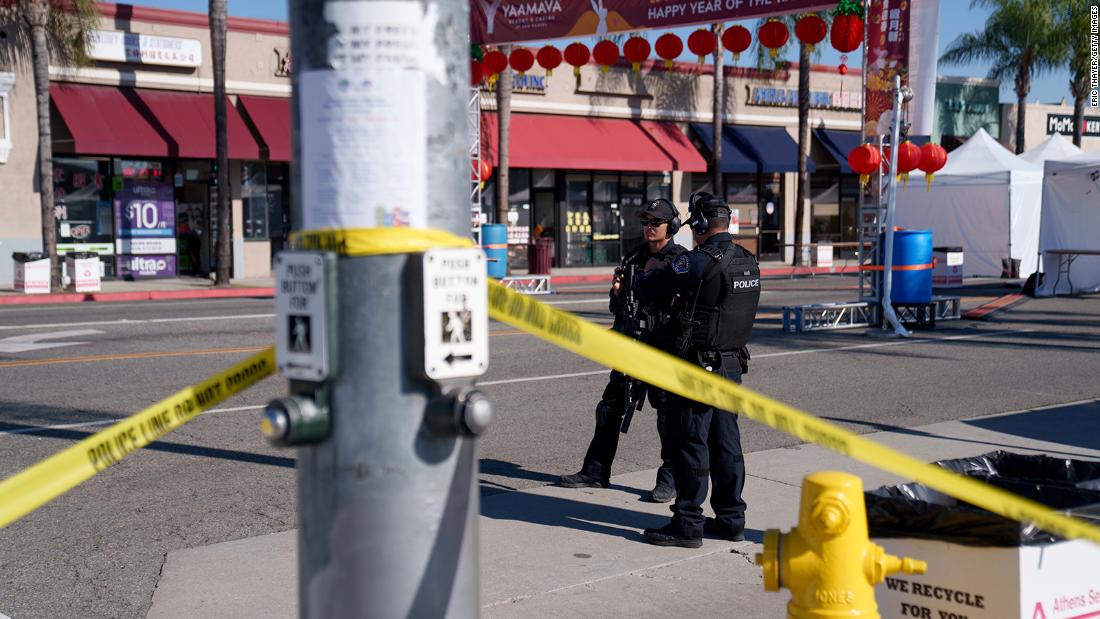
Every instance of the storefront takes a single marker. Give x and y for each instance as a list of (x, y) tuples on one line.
[(133, 146)]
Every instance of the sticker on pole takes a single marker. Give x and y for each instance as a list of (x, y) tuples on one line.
[(302, 321), (456, 313)]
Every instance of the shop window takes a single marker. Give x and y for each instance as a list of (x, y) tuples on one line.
[(254, 199), (825, 204), (278, 204), (578, 222), (658, 186), (741, 195), (7, 81), (83, 213), (519, 216), (606, 219)]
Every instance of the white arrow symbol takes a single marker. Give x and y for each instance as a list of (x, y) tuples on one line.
[(23, 343)]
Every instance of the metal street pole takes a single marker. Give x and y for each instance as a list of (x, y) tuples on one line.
[(891, 200), (387, 462)]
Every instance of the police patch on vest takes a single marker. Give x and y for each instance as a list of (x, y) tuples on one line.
[(746, 284), (682, 264)]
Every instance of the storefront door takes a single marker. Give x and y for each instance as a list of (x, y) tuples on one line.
[(633, 201), (193, 224), (771, 217)]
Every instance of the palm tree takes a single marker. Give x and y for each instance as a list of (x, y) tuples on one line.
[(218, 27), (803, 186), (1021, 39), (504, 118), (57, 30), (1074, 23)]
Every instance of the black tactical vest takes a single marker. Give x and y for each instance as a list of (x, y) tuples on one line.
[(719, 315)]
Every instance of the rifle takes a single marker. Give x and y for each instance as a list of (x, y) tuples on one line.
[(634, 390)]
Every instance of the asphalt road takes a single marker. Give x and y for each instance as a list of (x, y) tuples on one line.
[(98, 550)]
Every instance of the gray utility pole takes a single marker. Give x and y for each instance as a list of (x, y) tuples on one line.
[(387, 462), (719, 111), (901, 94)]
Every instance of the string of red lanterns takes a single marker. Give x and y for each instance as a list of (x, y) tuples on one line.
[(846, 35), (865, 159)]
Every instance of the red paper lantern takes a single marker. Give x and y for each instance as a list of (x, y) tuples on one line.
[(549, 58), (475, 71), (842, 69), (811, 30), (909, 155), (521, 59), (702, 42), (669, 46), (576, 54), (636, 50), (773, 35), (606, 54), (737, 39), (932, 158), (483, 173), (494, 63), (847, 33), (863, 160)]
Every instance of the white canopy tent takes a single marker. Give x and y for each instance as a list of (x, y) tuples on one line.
[(1071, 223), (985, 200), (1056, 147)]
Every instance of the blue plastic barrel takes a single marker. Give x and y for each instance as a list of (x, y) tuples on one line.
[(912, 282), (494, 241)]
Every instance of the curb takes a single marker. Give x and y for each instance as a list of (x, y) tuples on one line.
[(997, 305), (259, 293), (770, 272), (140, 295)]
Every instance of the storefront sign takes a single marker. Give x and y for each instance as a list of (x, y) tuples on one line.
[(283, 63), (95, 248), (1063, 123), (117, 46), (136, 267), (507, 21), (528, 84), (887, 56), (788, 97), (146, 246)]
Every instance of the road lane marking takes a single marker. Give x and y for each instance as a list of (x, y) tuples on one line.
[(529, 379), (127, 321), (24, 343), (127, 356), (103, 422)]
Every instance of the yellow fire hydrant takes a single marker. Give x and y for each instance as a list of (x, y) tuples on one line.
[(827, 561)]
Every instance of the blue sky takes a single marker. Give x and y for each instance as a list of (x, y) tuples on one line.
[(956, 17)]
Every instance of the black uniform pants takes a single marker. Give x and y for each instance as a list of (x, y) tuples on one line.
[(609, 419), (707, 444)]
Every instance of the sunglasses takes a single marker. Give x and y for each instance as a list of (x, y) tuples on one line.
[(652, 223)]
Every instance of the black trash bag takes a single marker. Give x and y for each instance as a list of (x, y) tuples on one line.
[(1043, 469), (917, 511), (29, 256)]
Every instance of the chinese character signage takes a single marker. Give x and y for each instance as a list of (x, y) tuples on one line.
[(509, 21), (130, 47), (887, 55)]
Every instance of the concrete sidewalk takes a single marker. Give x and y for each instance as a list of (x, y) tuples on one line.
[(556, 552)]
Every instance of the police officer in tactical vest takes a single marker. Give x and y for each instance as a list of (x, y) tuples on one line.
[(660, 220), (716, 289)]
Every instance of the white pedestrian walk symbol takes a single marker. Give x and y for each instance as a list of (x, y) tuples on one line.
[(457, 326), (299, 334)]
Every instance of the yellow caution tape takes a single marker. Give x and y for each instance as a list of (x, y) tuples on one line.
[(376, 241), (662, 370), (32, 488)]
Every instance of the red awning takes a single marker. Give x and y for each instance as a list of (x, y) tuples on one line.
[(136, 122), (188, 120), (271, 117), (103, 121), (583, 143)]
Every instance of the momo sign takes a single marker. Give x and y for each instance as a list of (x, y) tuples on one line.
[(1063, 123), (130, 47)]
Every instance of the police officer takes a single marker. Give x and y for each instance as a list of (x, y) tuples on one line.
[(718, 288), (660, 220)]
